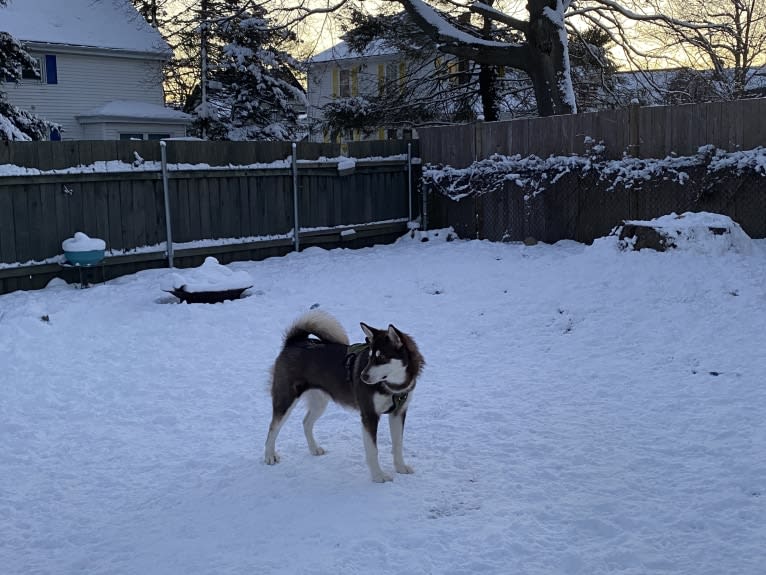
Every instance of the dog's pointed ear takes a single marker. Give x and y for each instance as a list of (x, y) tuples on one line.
[(393, 335), (367, 330)]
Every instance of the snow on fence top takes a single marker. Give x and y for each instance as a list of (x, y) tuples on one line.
[(141, 165)]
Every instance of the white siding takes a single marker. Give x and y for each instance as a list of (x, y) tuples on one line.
[(86, 82)]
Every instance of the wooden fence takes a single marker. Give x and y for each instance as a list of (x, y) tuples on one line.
[(650, 132), (238, 196), (585, 205)]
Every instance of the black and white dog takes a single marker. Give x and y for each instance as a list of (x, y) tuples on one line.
[(375, 378)]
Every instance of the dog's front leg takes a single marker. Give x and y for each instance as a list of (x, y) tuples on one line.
[(396, 425), (370, 435)]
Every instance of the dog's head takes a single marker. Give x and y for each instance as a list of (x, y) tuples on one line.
[(388, 357)]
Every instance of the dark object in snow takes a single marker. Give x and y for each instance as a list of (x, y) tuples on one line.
[(314, 306), (207, 296), (673, 231), (645, 237)]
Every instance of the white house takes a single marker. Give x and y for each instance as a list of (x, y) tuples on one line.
[(101, 69), (340, 72)]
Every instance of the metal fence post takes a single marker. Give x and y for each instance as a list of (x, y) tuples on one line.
[(296, 222), (634, 135), (166, 193), (409, 181)]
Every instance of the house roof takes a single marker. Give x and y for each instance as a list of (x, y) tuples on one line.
[(342, 51), (135, 112), (105, 24)]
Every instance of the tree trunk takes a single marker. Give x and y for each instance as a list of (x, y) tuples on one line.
[(549, 60), (488, 92), (544, 56)]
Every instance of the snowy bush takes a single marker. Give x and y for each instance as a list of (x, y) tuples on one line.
[(536, 174)]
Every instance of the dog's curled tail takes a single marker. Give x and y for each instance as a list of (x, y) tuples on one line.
[(318, 323)]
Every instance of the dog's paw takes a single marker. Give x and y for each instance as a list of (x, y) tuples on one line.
[(271, 458), (404, 468), (317, 451), (381, 477)]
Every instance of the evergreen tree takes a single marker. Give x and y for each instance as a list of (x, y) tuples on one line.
[(15, 123), (249, 91), (258, 93)]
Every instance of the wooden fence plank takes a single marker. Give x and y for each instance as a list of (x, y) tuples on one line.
[(214, 194), (155, 214), (7, 225), (179, 210), (50, 240), (204, 232), (22, 229), (5, 152), (754, 115), (139, 192)]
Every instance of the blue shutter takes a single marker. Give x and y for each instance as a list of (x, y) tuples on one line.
[(51, 73)]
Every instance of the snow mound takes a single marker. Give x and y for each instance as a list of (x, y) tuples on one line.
[(440, 235), (209, 277), (80, 242), (700, 232)]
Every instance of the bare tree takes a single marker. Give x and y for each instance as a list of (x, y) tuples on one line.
[(726, 38), (732, 47)]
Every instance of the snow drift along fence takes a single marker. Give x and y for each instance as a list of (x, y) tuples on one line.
[(232, 200), (644, 132)]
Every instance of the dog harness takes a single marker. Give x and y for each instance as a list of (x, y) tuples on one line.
[(351, 354), (397, 399)]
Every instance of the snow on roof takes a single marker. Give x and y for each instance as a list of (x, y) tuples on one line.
[(135, 110), (342, 51), (109, 24)]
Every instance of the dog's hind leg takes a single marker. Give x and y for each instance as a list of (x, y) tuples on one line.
[(396, 425), (317, 402), (282, 406)]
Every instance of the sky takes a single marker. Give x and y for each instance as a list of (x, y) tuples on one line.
[(583, 410)]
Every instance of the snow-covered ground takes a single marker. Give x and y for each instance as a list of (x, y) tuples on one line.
[(583, 410)]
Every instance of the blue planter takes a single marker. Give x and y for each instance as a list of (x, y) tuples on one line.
[(88, 258)]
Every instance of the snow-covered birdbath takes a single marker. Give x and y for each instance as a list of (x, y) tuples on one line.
[(81, 250), (209, 283)]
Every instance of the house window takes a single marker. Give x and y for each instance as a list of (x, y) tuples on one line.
[(345, 84), (29, 73), (46, 73), (144, 136), (391, 77), (458, 72), (51, 69)]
